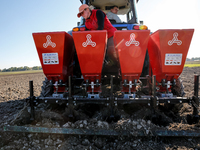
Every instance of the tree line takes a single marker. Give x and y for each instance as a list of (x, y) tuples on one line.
[(40, 68), (193, 59), (21, 68)]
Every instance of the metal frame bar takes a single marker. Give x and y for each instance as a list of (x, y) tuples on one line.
[(196, 85), (58, 100), (151, 100), (32, 100), (196, 95), (101, 132), (133, 8)]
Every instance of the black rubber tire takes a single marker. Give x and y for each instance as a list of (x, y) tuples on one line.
[(178, 89), (47, 88)]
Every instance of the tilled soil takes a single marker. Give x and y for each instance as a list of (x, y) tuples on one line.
[(187, 76), (15, 88)]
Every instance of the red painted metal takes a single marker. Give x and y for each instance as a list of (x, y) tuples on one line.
[(168, 51), (90, 48), (55, 50), (131, 46)]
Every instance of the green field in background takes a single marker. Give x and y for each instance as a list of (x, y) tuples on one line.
[(192, 64), (20, 72)]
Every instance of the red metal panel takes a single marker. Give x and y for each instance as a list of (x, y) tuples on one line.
[(168, 51), (131, 46), (55, 50), (90, 48)]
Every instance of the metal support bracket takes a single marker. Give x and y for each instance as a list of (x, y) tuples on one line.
[(32, 98)]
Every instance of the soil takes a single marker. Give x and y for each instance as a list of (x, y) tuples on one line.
[(14, 89)]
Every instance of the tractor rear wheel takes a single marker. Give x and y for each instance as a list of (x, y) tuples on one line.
[(178, 89), (47, 88), (173, 109)]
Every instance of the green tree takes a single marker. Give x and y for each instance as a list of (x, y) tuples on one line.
[(26, 68), (4, 70), (37, 68), (187, 59), (14, 68), (20, 69)]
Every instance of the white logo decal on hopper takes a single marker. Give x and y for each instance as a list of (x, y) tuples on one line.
[(89, 41), (132, 41), (49, 42), (175, 40)]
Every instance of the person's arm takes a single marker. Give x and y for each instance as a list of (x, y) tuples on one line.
[(100, 18)]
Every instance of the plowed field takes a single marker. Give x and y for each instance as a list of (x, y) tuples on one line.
[(15, 88)]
